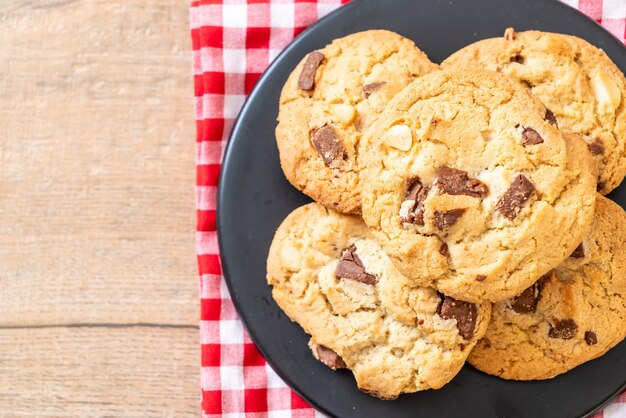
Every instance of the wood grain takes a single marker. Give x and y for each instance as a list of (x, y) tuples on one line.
[(97, 148), (96, 163), (99, 372)]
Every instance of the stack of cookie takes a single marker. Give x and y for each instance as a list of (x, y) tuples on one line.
[(459, 210)]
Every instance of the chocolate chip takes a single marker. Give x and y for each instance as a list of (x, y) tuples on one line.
[(481, 278), (564, 329), (511, 202), (579, 252), (372, 87), (542, 282), (465, 314), (420, 322), (591, 338), (330, 358), (526, 301), (530, 137), (457, 182), (600, 186), (327, 144), (577, 57), (417, 193), (351, 267), (549, 116), (444, 219), (596, 147), (306, 81), (517, 58), (443, 250)]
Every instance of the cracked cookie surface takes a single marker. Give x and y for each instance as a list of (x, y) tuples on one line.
[(486, 197), (574, 314), (578, 82), (329, 99), (333, 279)]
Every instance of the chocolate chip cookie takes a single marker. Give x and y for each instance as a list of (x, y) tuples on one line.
[(329, 99), (333, 279), (572, 315), (582, 88), (472, 188)]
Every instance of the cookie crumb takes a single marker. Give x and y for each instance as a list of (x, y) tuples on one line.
[(509, 34)]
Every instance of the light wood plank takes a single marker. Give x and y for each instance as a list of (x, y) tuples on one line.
[(99, 372), (97, 156)]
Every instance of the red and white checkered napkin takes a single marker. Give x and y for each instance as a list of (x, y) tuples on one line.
[(233, 42)]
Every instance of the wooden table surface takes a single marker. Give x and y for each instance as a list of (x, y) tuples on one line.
[(98, 284)]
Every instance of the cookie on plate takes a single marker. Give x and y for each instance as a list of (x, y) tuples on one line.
[(472, 188), (574, 314), (329, 99), (330, 277), (580, 85)]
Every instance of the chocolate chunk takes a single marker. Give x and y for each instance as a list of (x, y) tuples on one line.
[(457, 182), (306, 81), (443, 250), (420, 322), (591, 338), (564, 329), (517, 58), (542, 282), (416, 193), (531, 137), (596, 147), (351, 267), (465, 314), (481, 278), (327, 144), (526, 301), (330, 358), (444, 219), (372, 87), (549, 116), (511, 202), (579, 252)]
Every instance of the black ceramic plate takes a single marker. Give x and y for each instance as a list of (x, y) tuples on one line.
[(254, 198)]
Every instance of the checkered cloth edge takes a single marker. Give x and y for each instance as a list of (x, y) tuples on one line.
[(233, 42)]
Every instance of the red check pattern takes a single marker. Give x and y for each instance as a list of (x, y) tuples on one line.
[(233, 42)]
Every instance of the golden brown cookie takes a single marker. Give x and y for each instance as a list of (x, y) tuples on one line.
[(580, 85), (471, 189), (574, 314), (333, 279), (329, 99)]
